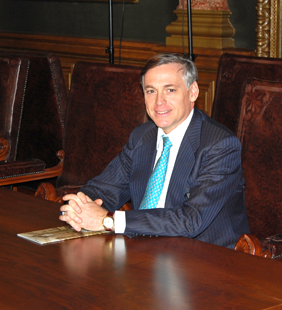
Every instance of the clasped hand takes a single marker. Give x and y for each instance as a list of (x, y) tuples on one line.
[(82, 212)]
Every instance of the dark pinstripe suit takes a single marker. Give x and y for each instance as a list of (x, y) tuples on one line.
[(205, 198)]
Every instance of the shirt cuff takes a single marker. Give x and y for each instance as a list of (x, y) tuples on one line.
[(120, 222)]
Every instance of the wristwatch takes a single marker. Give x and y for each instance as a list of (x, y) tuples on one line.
[(109, 222)]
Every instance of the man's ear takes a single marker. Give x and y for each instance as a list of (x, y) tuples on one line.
[(194, 91)]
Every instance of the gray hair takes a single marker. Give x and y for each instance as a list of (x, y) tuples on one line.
[(189, 74)]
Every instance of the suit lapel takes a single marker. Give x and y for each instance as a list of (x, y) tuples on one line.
[(185, 160), (149, 144)]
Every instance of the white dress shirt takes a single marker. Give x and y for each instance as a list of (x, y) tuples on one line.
[(176, 137)]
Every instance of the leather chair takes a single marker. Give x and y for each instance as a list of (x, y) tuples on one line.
[(248, 101), (13, 78), (40, 134), (231, 77), (106, 103)]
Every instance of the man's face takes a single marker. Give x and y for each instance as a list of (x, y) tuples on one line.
[(168, 102)]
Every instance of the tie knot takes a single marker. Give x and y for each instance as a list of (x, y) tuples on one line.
[(167, 143)]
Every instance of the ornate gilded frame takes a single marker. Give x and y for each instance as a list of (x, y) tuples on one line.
[(269, 28)]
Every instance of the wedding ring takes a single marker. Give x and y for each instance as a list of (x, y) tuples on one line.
[(63, 212)]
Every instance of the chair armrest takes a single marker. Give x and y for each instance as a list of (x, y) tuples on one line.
[(47, 191), (32, 170), (249, 244), (4, 148), (14, 169)]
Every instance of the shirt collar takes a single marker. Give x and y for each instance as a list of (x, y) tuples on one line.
[(177, 134)]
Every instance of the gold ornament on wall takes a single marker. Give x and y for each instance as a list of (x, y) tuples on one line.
[(269, 28)]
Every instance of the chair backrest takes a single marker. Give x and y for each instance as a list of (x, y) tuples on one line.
[(232, 73), (41, 134), (105, 104), (260, 133), (13, 79)]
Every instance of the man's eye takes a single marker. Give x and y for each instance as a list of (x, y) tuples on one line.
[(150, 91), (171, 90)]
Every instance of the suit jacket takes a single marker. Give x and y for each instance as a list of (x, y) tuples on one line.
[(205, 198)]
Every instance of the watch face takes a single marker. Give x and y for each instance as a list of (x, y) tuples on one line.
[(108, 222)]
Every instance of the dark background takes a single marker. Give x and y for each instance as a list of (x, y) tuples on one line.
[(144, 21)]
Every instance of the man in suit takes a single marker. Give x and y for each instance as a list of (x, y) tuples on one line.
[(202, 196)]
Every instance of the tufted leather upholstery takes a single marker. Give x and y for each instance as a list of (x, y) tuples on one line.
[(106, 103), (42, 119)]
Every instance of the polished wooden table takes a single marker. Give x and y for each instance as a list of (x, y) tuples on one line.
[(115, 272)]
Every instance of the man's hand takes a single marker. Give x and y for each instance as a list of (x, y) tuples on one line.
[(82, 212)]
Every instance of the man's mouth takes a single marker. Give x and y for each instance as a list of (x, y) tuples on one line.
[(162, 112)]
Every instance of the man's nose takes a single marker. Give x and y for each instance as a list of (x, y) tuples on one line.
[(160, 98)]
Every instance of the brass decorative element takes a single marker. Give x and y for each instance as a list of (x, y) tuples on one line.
[(263, 28), (268, 28), (211, 29), (205, 5)]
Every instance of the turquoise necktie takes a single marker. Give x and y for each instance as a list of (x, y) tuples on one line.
[(156, 181)]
